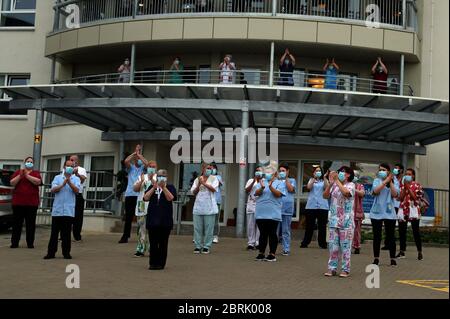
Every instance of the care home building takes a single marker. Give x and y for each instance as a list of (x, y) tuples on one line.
[(62, 94)]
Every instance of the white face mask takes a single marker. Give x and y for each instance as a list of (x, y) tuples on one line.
[(127, 62)]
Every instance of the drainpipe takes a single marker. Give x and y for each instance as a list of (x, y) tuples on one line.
[(38, 129), (402, 74), (272, 58), (274, 7), (133, 62), (240, 216), (404, 14), (53, 71)]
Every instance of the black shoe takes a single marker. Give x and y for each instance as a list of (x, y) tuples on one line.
[(138, 254), (197, 251), (376, 261), (356, 252), (49, 257), (260, 257), (400, 255), (205, 251), (256, 247), (155, 267), (385, 248), (420, 256), (393, 263), (303, 246), (123, 240), (250, 247), (67, 257), (14, 246), (271, 258)]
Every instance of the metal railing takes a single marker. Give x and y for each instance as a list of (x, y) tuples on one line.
[(341, 82), (441, 208), (388, 12)]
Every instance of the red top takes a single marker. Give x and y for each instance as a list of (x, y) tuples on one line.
[(26, 193), (380, 81), (408, 200), (358, 206)]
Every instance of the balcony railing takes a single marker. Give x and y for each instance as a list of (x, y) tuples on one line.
[(392, 13), (341, 82)]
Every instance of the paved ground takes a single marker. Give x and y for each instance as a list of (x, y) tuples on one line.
[(108, 270)]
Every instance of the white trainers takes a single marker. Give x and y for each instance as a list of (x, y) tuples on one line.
[(216, 239)]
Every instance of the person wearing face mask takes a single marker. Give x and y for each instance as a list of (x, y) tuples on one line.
[(341, 192), (331, 70), (360, 192), (144, 181), (380, 75), (176, 71), (287, 65), (287, 209), (25, 202), (411, 195), (135, 165), (79, 172), (65, 187), (382, 212), (252, 228), (124, 70), (160, 197), (227, 68), (205, 209), (316, 209), (269, 192), (218, 195)]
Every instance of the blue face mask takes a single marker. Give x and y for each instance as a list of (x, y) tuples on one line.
[(208, 172), (382, 174), (161, 179), (259, 174), (407, 179), (268, 177), (286, 62), (318, 174), (396, 171), (214, 172), (341, 176), (282, 175), (29, 165), (151, 170), (355, 180), (69, 170), (139, 162)]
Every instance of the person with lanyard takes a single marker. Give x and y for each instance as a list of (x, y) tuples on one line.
[(135, 165), (79, 172), (382, 212), (287, 209), (218, 195), (359, 214), (160, 197), (316, 209), (205, 209), (65, 187), (25, 202), (341, 191), (411, 195), (269, 192), (252, 228), (142, 185)]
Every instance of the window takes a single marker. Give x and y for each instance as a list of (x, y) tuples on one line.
[(204, 74), (17, 13), (11, 80), (100, 181)]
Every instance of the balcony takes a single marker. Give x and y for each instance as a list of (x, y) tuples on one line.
[(395, 14)]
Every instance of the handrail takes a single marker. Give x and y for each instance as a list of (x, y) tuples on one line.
[(391, 12), (341, 82)]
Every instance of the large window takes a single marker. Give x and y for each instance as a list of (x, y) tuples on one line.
[(11, 80), (17, 13)]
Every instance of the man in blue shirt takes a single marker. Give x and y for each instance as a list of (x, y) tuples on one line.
[(65, 187), (287, 209), (331, 74), (135, 165)]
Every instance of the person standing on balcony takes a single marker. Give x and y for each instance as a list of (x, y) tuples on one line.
[(316, 209), (269, 192), (160, 218), (331, 70), (359, 214), (142, 185), (384, 191), (341, 192), (176, 71), (135, 164), (287, 64), (227, 68), (79, 172), (252, 228), (380, 75), (65, 187), (218, 195), (205, 209), (411, 196), (25, 202), (124, 71), (287, 209)]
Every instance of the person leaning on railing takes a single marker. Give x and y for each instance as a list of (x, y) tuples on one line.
[(25, 202)]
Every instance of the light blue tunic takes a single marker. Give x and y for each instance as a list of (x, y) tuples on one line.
[(383, 205), (267, 205), (315, 197), (288, 201), (64, 202), (133, 175)]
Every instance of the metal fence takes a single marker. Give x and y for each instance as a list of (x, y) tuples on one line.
[(389, 12), (342, 82), (441, 208)]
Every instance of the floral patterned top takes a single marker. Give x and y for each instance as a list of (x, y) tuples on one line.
[(408, 201), (341, 207)]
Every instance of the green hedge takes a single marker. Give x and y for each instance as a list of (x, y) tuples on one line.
[(430, 235)]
